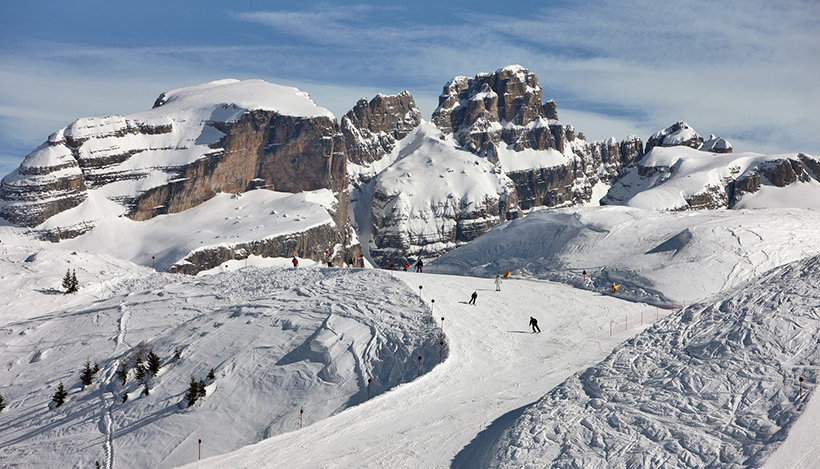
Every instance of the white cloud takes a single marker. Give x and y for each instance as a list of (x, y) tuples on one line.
[(743, 69)]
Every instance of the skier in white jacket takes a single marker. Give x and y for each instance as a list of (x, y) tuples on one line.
[(497, 283)]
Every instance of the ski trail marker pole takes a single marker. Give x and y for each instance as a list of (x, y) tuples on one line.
[(301, 411), (368, 388), (200, 450), (432, 307), (801, 387), (153, 258), (440, 349), (419, 365), (442, 328)]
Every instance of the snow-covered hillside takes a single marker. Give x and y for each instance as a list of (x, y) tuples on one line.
[(277, 339), (660, 257), (715, 385), (682, 178)]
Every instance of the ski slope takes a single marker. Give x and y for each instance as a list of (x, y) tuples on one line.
[(495, 368)]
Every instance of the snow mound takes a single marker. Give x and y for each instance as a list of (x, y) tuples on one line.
[(279, 340), (714, 385)]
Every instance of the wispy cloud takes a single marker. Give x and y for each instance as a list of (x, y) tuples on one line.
[(742, 69)]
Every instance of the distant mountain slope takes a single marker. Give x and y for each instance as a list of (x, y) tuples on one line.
[(659, 257), (715, 385)]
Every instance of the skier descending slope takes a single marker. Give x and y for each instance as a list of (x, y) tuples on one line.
[(497, 283), (534, 324), (419, 265), (295, 262), (472, 299)]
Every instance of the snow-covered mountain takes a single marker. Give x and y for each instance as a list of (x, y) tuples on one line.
[(493, 151), (227, 136), (681, 172)]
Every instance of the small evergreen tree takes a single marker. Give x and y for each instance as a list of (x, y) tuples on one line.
[(96, 368), (60, 395), (140, 369), (154, 363), (75, 285), (200, 389), (87, 375), (2, 403), (177, 355), (193, 392), (145, 390), (67, 281), (122, 373), (211, 375), (97, 465), (124, 398)]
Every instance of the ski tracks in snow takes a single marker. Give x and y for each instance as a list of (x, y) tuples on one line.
[(123, 326)]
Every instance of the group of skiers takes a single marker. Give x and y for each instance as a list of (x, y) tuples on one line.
[(533, 322)]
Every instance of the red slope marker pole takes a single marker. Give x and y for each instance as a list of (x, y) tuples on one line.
[(442, 328), (801, 387), (419, 365), (200, 450), (432, 307), (368, 388), (152, 262), (301, 411), (440, 349)]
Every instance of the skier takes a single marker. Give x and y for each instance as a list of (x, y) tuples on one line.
[(419, 265), (350, 261), (295, 262), (534, 324), (614, 288), (405, 266), (497, 283), (472, 299)]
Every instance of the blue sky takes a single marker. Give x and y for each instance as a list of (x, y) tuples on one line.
[(745, 70)]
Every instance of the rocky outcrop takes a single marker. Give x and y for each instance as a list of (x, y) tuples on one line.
[(300, 244), (716, 145), (503, 107), (780, 172), (371, 129), (679, 133)]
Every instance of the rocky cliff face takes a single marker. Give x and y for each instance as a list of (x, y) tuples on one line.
[(495, 123), (777, 172), (371, 129), (502, 114), (225, 136)]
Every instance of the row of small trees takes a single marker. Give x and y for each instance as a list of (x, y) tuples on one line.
[(144, 369)]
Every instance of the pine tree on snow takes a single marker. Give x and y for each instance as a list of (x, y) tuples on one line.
[(87, 375), (75, 285), (122, 373), (139, 368), (2, 403), (211, 375), (67, 281), (60, 395), (200, 389), (193, 392), (154, 363)]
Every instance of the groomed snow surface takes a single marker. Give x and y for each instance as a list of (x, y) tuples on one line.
[(711, 386)]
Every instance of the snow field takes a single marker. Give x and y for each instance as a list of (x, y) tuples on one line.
[(715, 385), (496, 366), (278, 340)]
